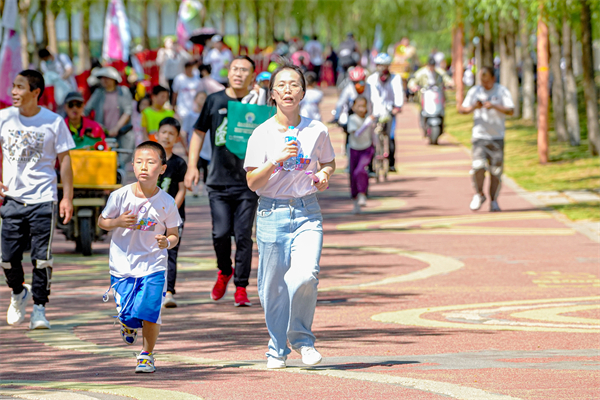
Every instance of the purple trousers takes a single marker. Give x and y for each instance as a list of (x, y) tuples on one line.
[(359, 176)]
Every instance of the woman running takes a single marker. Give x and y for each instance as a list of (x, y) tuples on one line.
[(289, 158)]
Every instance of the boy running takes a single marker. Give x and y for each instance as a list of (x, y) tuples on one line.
[(172, 183), (139, 214)]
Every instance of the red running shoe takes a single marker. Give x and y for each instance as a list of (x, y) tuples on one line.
[(241, 298), (220, 287)]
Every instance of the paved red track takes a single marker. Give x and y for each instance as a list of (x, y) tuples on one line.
[(420, 299)]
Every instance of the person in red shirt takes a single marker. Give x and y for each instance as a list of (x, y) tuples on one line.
[(82, 128)]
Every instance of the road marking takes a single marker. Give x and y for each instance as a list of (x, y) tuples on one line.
[(554, 315), (438, 265), (414, 317), (117, 390)]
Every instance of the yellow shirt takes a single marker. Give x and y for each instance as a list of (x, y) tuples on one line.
[(151, 119)]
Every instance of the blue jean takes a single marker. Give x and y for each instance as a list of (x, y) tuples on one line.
[(289, 234)]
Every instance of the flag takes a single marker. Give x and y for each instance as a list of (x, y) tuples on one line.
[(10, 52), (189, 18), (116, 33)]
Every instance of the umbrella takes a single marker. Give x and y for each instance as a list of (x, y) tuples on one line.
[(200, 36)]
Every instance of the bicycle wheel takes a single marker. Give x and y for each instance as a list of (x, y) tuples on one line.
[(385, 162)]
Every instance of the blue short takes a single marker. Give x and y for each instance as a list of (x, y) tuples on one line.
[(139, 299)]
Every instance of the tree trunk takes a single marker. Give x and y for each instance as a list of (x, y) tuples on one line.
[(238, 20), (223, 17), (145, 37), (44, 11), (542, 87), (589, 86), (51, 31), (257, 21), (84, 38), (69, 16), (527, 76), (511, 65), (487, 53), (24, 6), (502, 50), (558, 91), (570, 86), (159, 23), (457, 58)]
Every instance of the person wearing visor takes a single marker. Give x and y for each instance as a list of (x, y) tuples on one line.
[(349, 94), (86, 132), (112, 105), (386, 95)]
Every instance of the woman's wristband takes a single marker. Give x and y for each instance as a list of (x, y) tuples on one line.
[(168, 243), (275, 163)]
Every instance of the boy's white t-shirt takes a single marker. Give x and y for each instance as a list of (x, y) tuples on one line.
[(134, 252), (29, 149), (186, 88), (488, 124), (267, 142)]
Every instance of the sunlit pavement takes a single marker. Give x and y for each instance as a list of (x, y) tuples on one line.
[(420, 298)]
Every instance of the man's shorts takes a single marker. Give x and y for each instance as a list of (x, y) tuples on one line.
[(139, 299), (489, 150)]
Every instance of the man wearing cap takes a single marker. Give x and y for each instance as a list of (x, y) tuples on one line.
[(219, 58), (85, 130), (112, 106)]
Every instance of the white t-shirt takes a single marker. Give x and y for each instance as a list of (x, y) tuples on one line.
[(218, 60), (29, 149), (188, 128), (60, 64), (362, 141), (309, 106), (134, 251), (315, 50), (267, 141), (488, 124), (384, 96), (186, 89)]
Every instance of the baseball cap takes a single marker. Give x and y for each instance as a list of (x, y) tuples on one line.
[(74, 96)]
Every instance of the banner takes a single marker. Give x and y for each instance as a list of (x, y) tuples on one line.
[(189, 18), (10, 52), (242, 120), (116, 33)]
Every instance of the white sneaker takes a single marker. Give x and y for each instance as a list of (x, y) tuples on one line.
[(18, 302), (494, 207), (276, 362), (145, 363), (38, 318), (477, 202), (356, 209), (169, 301), (362, 199), (310, 355)]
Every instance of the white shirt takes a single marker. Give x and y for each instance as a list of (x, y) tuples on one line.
[(134, 251), (186, 88), (218, 60), (60, 64), (266, 143), (30, 146), (362, 141), (309, 106), (488, 124), (315, 50), (188, 127), (384, 96)]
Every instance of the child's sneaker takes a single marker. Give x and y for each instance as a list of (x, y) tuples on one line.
[(169, 301), (362, 199), (220, 286), (128, 334), (310, 355), (145, 362), (18, 302), (241, 298), (38, 318)]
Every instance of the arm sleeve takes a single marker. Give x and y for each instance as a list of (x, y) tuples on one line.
[(203, 122), (469, 100), (172, 218), (65, 61), (91, 102), (327, 153), (64, 140), (176, 84), (255, 153), (507, 98), (112, 209), (127, 101), (398, 91), (353, 124)]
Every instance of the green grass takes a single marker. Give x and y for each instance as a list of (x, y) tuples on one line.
[(569, 168)]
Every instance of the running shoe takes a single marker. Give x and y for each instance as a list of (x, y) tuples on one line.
[(18, 303), (362, 199), (220, 287), (169, 301), (241, 298), (145, 363), (128, 334), (276, 362), (356, 209), (494, 207), (310, 355), (38, 318), (477, 202)]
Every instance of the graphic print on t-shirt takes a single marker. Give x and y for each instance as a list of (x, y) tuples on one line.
[(302, 161), (144, 224), (24, 146), (221, 134)]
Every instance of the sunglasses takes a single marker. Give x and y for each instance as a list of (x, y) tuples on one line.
[(72, 104)]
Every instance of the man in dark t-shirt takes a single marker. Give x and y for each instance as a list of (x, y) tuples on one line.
[(232, 203)]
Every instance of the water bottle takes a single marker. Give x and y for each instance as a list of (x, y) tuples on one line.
[(290, 163)]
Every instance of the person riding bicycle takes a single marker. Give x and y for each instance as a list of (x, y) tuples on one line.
[(349, 94), (386, 95)]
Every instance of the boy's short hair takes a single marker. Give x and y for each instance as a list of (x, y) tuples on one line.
[(205, 67), (149, 144), (43, 53), (191, 63), (156, 90), (246, 58), (360, 97), (171, 122), (311, 78), (35, 80)]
